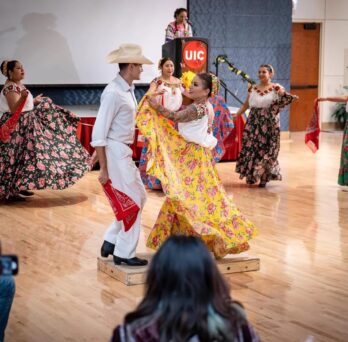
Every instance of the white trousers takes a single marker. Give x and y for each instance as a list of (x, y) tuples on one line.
[(125, 177)]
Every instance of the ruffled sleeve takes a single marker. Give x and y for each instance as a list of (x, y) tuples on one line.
[(11, 88)]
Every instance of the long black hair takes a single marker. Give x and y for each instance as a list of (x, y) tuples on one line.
[(183, 285)]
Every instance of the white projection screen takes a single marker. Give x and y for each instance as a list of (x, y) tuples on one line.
[(66, 41)]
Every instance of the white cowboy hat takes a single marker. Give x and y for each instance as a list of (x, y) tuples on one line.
[(127, 53)]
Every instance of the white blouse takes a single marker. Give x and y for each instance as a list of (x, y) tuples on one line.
[(9, 87), (172, 97), (260, 99), (196, 131)]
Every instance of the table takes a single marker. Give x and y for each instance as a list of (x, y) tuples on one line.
[(232, 143)]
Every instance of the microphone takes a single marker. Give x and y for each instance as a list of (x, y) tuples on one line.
[(189, 22)]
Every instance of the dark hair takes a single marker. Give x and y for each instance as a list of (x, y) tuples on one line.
[(207, 81), (183, 285), (178, 11), (269, 67), (123, 66), (162, 62), (10, 65)]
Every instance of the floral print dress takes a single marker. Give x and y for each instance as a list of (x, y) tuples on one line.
[(258, 159), (43, 150), (196, 202)]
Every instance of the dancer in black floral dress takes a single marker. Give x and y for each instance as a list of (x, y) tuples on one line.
[(258, 159), (38, 144)]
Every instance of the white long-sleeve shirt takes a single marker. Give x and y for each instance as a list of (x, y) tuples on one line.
[(116, 115)]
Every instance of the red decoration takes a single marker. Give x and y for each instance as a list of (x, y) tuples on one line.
[(125, 209), (7, 128)]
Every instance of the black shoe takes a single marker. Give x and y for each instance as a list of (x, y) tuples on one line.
[(15, 198), (250, 182), (26, 193), (262, 184), (107, 249), (130, 262)]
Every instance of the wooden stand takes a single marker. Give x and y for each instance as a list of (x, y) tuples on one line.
[(235, 265), (131, 275)]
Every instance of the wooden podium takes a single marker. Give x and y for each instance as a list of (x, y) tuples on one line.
[(188, 54)]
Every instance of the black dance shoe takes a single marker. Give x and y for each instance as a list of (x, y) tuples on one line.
[(107, 249), (26, 193), (130, 262), (262, 184), (14, 199)]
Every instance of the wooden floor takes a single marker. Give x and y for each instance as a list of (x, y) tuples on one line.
[(300, 293)]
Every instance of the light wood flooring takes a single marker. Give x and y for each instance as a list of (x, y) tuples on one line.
[(300, 293)]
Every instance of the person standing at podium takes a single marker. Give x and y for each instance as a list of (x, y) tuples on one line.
[(180, 27)]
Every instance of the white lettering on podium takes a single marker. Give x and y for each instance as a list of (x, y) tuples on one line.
[(194, 55)]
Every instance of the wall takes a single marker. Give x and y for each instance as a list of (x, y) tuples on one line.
[(250, 33), (66, 41), (333, 16)]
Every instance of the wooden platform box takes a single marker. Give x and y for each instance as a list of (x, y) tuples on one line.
[(130, 275)]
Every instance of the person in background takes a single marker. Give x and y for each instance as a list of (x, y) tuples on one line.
[(38, 144), (186, 299), (112, 135), (343, 171), (258, 159), (179, 27), (168, 91)]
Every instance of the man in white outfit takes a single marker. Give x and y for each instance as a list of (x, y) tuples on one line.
[(112, 135)]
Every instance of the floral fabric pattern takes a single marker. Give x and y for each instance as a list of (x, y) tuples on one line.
[(222, 128), (261, 142), (43, 151), (196, 202), (343, 172)]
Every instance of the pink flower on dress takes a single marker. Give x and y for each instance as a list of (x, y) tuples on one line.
[(31, 186), (188, 180), (30, 167), (61, 182), (42, 181), (30, 146), (12, 160), (212, 191), (49, 118), (52, 169), (211, 208), (63, 155), (48, 135), (54, 154), (69, 129), (41, 166), (192, 164), (72, 139)]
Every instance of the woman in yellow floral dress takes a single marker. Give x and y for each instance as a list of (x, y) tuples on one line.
[(196, 202)]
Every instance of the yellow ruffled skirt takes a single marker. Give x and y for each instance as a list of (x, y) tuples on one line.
[(196, 201)]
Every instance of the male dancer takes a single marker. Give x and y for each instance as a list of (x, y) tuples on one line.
[(113, 133)]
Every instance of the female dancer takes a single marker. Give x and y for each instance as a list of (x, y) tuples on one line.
[(38, 147), (258, 159), (343, 171), (196, 202)]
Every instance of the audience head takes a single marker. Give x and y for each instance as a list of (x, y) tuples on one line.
[(180, 15), (266, 72), (166, 66), (184, 287), (13, 70)]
